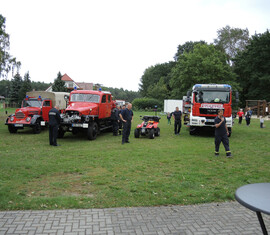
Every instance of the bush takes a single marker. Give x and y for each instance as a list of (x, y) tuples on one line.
[(146, 104)]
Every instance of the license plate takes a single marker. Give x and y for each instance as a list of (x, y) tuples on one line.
[(42, 123), (76, 125), (210, 120), (18, 125)]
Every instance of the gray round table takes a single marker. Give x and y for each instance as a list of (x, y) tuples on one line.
[(255, 197)]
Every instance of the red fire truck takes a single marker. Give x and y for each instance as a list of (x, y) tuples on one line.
[(206, 100), (34, 111), (88, 111)]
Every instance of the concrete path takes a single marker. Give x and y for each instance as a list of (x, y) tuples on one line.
[(213, 218)]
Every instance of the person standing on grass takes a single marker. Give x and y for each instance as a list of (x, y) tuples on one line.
[(126, 117), (240, 114), (261, 121), (177, 116), (169, 118), (248, 116), (115, 120), (54, 121), (221, 134)]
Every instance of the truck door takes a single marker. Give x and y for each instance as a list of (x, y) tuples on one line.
[(102, 107), (46, 106), (109, 106)]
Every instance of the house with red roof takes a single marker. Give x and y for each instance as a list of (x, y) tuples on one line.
[(71, 84)]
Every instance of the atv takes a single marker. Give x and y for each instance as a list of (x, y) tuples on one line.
[(149, 127)]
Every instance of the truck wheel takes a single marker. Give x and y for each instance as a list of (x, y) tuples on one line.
[(137, 133), (152, 134), (37, 127), (157, 133), (12, 129), (230, 131), (92, 131), (192, 130), (61, 133)]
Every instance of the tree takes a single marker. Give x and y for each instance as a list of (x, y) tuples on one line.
[(152, 76), (16, 84), (205, 64), (186, 48), (252, 67), (58, 84), (26, 86), (232, 41), (7, 62)]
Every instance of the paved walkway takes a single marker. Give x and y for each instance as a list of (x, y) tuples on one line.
[(213, 218)]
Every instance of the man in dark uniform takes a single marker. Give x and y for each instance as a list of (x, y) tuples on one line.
[(221, 134), (177, 116), (120, 121), (126, 117), (115, 120), (54, 121)]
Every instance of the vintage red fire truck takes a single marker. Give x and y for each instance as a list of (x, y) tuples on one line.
[(34, 111), (206, 100), (89, 111)]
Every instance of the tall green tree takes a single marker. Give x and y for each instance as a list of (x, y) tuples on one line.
[(152, 76), (205, 64), (187, 47), (232, 41), (7, 62), (58, 84), (252, 67), (16, 84), (26, 86)]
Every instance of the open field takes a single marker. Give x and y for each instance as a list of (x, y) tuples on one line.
[(103, 173)]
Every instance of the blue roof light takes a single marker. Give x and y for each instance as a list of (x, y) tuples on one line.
[(99, 89), (75, 88)]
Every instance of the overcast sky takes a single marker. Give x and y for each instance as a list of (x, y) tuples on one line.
[(112, 42)]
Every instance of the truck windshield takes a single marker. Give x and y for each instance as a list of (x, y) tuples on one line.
[(32, 103), (84, 98), (212, 97)]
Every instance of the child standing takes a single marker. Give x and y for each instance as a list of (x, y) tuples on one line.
[(261, 121), (169, 118)]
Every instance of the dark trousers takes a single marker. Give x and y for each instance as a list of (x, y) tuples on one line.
[(53, 132), (126, 131), (225, 141), (248, 121), (261, 124), (115, 127), (240, 120), (177, 126)]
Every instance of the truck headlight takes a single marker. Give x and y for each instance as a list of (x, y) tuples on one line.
[(12, 119), (28, 119)]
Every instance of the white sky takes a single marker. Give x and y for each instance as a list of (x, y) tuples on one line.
[(112, 42)]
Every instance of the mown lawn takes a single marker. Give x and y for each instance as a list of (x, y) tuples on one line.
[(103, 173)]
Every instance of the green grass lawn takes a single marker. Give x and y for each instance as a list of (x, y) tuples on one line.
[(104, 173)]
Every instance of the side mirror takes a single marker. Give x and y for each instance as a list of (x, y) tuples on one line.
[(188, 94), (236, 97), (66, 97)]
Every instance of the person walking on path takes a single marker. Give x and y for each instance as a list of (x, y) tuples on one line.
[(248, 116), (54, 121), (221, 134), (126, 117), (169, 118), (240, 114), (177, 116)]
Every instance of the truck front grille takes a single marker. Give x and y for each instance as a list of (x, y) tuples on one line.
[(33, 112), (208, 111), (20, 115)]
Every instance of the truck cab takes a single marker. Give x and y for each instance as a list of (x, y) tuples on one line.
[(206, 100), (88, 111)]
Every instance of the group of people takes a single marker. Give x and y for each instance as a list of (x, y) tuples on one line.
[(247, 116), (121, 119)]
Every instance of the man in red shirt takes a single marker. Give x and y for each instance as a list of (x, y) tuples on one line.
[(240, 115)]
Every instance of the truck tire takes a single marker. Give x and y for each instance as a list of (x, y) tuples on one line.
[(61, 133), (193, 130), (157, 133), (92, 131), (12, 129), (152, 134), (230, 131), (137, 133), (37, 127)]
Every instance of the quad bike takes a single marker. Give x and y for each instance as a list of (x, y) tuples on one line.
[(149, 127)]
